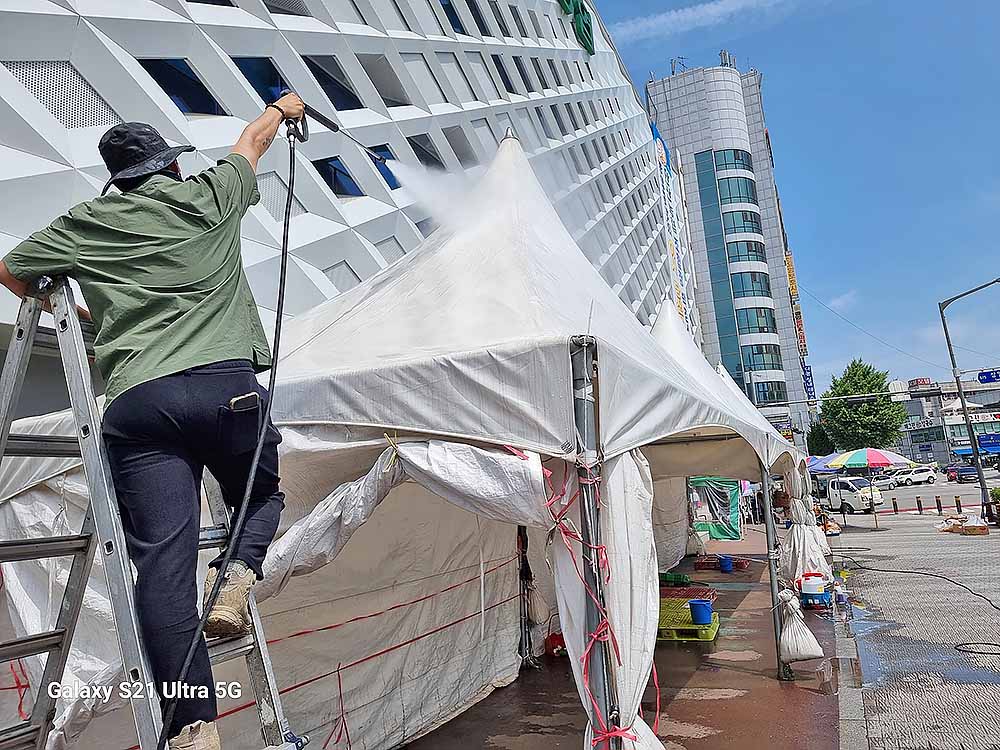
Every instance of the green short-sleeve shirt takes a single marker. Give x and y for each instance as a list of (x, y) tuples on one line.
[(161, 271)]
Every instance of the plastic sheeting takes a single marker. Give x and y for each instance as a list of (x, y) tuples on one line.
[(802, 550), (722, 498)]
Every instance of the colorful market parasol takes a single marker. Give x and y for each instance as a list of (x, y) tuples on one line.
[(868, 458), (820, 464)]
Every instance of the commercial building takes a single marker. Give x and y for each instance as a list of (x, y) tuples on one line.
[(432, 82), (713, 119), (935, 429)]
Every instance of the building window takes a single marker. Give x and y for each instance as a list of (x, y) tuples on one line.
[(516, 15), (334, 83), (554, 71), (386, 153), (756, 320), (427, 154), (741, 221), (452, 15), (761, 357), (733, 158), (390, 249), (263, 76), (224, 3), (746, 250), (502, 72), (424, 78), (559, 120), (342, 276), (751, 284), (335, 174), (538, 72), (737, 190), (519, 64), (183, 86), (459, 143), (385, 80), (427, 227), (498, 14), (770, 392), (477, 16), (287, 7)]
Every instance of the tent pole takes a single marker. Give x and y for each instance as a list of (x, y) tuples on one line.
[(784, 671), (525, 579), (586, 416)]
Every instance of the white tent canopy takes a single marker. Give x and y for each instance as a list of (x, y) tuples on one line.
[(447, 376)]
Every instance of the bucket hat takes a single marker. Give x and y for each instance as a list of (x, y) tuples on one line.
[(134, 149)]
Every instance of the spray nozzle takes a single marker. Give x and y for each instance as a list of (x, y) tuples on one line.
[(333, 127)]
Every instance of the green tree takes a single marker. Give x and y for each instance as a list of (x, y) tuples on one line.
[(818, 441), (868, 423)]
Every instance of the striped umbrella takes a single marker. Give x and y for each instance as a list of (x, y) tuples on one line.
[(868, 458)]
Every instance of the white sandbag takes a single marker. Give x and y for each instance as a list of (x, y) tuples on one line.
[(801, 551), (797, 641)]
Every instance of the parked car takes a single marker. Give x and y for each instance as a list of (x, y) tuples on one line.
[(884, 481), (966, 474), (850, 494), (917, 475), (951, 472)]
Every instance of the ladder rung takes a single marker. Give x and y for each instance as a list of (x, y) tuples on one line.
[(37, 549), (19, 737), (224, 649), (43, 446), (45, 338), (30, 645), (212, 536)]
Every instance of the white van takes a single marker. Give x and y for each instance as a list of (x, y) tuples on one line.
[(850, 494)]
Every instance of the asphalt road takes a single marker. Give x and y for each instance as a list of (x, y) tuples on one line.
[(906, 497)]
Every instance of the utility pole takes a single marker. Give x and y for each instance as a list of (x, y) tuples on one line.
[(987, 509)]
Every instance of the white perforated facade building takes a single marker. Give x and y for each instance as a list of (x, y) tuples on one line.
[(435, 81)]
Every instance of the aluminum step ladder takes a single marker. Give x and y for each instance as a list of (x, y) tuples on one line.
[(102, 529)]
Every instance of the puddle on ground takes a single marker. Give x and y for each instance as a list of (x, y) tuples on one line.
[(732, 655), (670, 728), (707, 694)]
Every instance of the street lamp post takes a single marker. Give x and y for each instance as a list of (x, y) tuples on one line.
[(986, 508)]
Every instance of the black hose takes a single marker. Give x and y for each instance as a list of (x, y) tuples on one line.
[(236, 530)]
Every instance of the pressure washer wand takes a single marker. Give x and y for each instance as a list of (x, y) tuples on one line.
[(332, 126)]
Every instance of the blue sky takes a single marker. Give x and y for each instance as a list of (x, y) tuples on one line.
[(885, 122)]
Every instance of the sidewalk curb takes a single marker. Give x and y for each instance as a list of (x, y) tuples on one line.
[(853, 728)]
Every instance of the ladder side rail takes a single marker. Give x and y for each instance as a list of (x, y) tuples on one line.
[(16, 364), (44, 710), (117, 567)]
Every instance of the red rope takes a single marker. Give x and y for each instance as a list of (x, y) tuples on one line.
[(21, 687), (340, 727)]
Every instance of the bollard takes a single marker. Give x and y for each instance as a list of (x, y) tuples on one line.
[(937, 501), (920, 506), (958, 503), (895, 506)]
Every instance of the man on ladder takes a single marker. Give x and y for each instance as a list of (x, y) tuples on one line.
[(178, 343)]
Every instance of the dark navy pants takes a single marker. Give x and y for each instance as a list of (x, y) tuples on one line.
[(160, 437)]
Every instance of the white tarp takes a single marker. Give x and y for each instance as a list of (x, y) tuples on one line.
[(465, 341), (802, 550)]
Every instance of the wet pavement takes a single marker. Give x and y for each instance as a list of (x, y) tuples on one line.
[(721, 694), (919, 691)]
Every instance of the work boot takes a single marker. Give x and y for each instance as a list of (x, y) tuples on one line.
[(198, 736), (230, 617)]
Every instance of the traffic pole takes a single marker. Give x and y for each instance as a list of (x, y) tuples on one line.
[(920, 506), (895, 506), (937, 501), (958, 503)]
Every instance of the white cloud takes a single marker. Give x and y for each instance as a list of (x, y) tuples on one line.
[(679, 20), (843, 301)]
